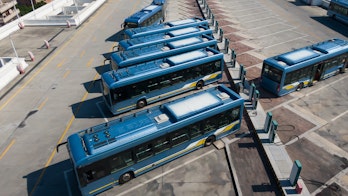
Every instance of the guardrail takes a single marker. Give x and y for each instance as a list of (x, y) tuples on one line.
[(47, 15)]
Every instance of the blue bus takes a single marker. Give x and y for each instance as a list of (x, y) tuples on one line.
[(303, 67), (155, 51), (142, 84), (139, 42), (113, 153), (150, 15), (338, 9), (164, 27)]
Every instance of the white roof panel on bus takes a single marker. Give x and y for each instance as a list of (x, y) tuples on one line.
[(188, 56), (181, 22), (151, 7), (297, 56), (183, 31), (193, 105), (184, 42)]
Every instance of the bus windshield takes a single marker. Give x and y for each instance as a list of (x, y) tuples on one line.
[(272, 73)]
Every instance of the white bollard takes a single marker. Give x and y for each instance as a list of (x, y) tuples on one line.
[(68, 24), (31, 55), (47, 44), (21, 25), (20, 69)]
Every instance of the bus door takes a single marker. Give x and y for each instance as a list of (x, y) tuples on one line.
[(318, 70)]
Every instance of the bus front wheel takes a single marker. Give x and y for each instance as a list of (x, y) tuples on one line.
[(300, 86), (141, 103), (126, 177), (199, 85), (209, 141)]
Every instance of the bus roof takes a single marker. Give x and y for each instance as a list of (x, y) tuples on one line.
[(165, 37), (188, 107), (121, 133), (165, 27), (161, 50), (305, 54), (150, 67), (142, 13)]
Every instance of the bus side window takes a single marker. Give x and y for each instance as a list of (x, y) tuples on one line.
[(144, 151), (179, 137)]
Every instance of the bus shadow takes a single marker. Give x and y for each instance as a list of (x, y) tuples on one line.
[(107, 56), (103, 68), (93, 86), (299, 3), (118, 36), (57, 179), (92, 108), (333, 24)]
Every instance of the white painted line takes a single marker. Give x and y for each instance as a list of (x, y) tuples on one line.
[(276, 32), (165, 173), (101, 111), (286, 41), (67, 181), (339, 116)]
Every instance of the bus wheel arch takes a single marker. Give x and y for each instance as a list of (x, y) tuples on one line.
[(199, 84), (141, 103), (300, 86), (210, 140), (126, 177)]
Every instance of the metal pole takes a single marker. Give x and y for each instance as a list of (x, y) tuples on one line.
[(14, 49), (32, 5)]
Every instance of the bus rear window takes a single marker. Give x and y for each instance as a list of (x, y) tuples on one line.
[(272, 73)]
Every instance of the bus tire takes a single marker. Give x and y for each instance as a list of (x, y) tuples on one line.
[(126, 177), (300, 86), (141, 103), (199, 85), (209, 141), (342, 70)]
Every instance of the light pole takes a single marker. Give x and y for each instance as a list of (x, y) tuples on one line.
[(32, 5)]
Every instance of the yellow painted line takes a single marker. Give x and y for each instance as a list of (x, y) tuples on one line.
[(42, 104), (66, 73), (61, 63), (60, 140), (7, 149), (82, 53), (89, 63)]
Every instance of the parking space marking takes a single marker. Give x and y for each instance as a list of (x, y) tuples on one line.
[(339, 116), (101, 111), (7, 149), (67, 72), (42, 104), (67, 181), (290, 40), (82, 53), (89, 63), (165, 173), (61, 63)]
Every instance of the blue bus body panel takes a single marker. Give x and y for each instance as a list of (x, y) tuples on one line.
[(153, 68), (165, 27), (155, 122), (139, 42), (339, 16), (143, 14), (156, 51), (130, 129), (301, 58)]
